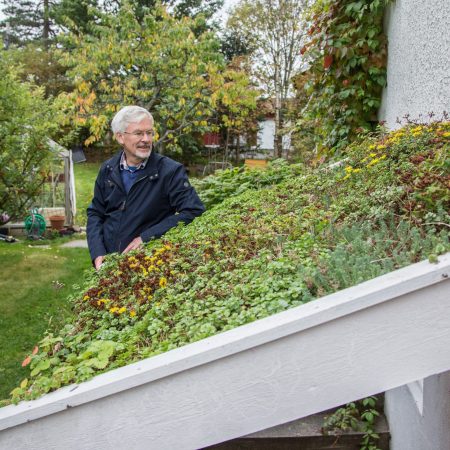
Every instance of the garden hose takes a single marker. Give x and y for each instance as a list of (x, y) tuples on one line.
[(35, 225)]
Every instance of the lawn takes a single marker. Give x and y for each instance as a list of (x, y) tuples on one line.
[(36, 281), (35, 284), (85, 175)]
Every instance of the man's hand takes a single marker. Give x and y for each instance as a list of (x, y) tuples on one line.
[(134, 244), (98, 262)]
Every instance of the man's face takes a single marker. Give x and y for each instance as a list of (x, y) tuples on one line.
[(137, 141)]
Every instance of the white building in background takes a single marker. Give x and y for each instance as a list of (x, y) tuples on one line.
[(266, 134)]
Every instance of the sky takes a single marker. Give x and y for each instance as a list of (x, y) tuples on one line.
[(226, 6)]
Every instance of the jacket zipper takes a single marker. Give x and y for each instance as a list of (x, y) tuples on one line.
[(124, 205)]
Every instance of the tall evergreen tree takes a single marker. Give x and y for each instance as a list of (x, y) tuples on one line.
[(76, 15), (179, 8), (26, 21)]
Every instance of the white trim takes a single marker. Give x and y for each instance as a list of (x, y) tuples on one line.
[(366, 339), (416, 390)]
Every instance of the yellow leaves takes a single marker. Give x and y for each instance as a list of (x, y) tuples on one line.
[(84, 87), (89, 101), (103, 301), (117, 310), (90, 140), (161, 60), (376, 160)]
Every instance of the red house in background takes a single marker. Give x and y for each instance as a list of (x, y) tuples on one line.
[(211, 139)]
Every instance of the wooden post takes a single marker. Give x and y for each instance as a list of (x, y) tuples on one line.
[(67, 188)]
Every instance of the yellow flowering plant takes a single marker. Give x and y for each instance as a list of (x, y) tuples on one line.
[(273, 246)]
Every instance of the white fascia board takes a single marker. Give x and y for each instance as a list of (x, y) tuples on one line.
[(319, 312)]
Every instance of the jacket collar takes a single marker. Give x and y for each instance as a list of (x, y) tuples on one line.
[(150, 169)]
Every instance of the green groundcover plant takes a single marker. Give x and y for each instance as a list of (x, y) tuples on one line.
[(291, 235)]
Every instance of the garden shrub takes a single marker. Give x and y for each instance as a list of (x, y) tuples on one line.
[(302, 234), (215, 188), (345, 53), (26, 123)]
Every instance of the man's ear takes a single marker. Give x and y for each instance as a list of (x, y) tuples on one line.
[(119, 138)]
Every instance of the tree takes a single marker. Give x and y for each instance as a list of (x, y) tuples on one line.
[(273, 29), (40, 67), (236, 107), (26, 122), (26, 21), (159, 64), (76, 15), (179, 8), (234, 44)]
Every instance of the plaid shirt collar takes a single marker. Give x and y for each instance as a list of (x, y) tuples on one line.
[(124, 166)]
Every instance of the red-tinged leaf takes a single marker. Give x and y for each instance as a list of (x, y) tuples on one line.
[(35, 350), (327, 61), (26, 361)]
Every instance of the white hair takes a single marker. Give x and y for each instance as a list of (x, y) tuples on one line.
[(127, 115)]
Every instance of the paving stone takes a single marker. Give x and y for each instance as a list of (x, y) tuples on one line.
[(82, 243)]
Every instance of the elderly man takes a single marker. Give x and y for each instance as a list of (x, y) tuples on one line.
[(139, 194)]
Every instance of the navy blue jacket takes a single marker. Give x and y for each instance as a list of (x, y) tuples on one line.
[(159, 199)]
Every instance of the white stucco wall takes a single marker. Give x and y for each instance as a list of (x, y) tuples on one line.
[(418, 82), (418, 79), (415, 429)]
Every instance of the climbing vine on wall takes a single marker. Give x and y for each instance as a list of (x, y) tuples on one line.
[(345, 51)]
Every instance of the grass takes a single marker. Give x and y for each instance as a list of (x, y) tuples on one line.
[(35, 283), (32, 299), (85, 175)]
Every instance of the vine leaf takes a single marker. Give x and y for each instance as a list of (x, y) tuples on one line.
[(327, 61), (26, 361)]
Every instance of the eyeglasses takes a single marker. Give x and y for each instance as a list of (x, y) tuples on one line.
[(140, 134)]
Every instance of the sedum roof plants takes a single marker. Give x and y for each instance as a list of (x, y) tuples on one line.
[(269, 241)]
